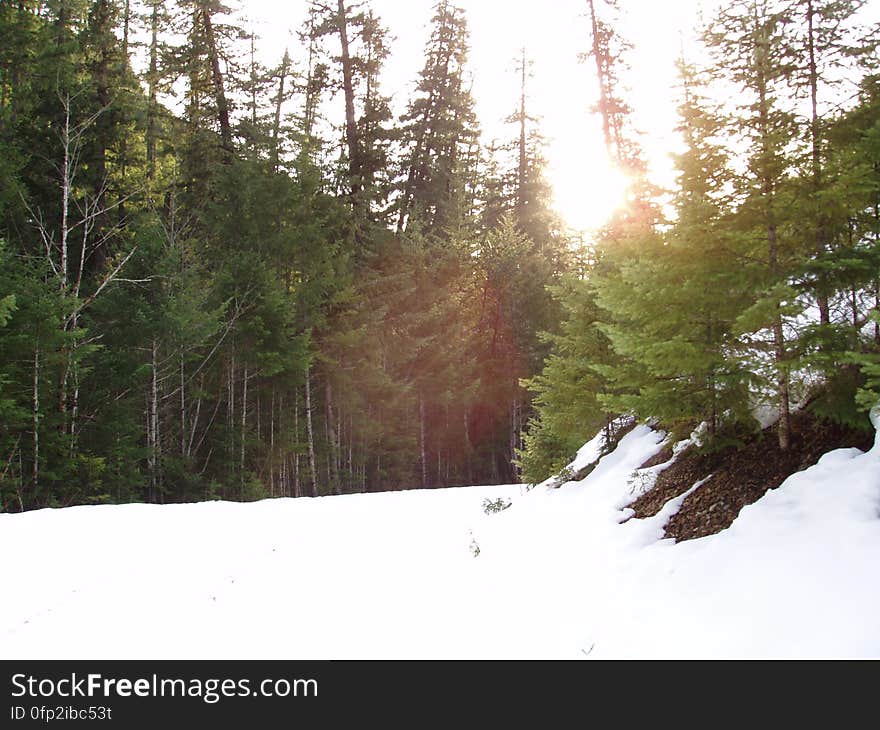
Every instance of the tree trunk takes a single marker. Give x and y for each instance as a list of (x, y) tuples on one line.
[(243, 429), (272, 444), (219, 91), (155, 454), (310, 433), (65, 193), (254, 82), (35, 472), (311, 91), (782, 386), (351, 132), (515, 430), (877, 281), (521, 169), (297, 487), (332, 439), (422, 441), (351, 478), (182, 408), (821, 243), (126, 22), (468, 448), (768, 192), (230, 410), (153, 90), (603, 84), (276, 126)]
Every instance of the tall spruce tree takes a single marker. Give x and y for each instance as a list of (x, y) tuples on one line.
[(669, 318), (439, 128)]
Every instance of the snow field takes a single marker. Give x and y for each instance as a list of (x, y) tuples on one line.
[(562, 573)]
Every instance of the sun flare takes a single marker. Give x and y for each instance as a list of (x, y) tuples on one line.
[(586, 202)]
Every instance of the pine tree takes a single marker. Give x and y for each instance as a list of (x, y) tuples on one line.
[(667, 318), (577, 390), (749, 42), (439, 129)]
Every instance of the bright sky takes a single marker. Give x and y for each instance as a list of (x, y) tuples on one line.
[(562, 89)]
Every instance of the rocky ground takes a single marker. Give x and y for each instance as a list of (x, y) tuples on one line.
[(739, 476)]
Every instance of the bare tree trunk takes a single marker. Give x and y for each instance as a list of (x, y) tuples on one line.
[(66, 174), (310, 100), (332, 439), (219, 91), (877, 307), (782, 386), (351, 132), (297, 487), (254, 80), (243, 428), (515, 431), (351, 476), (779, 355), (126, 21), (602, 75), (153, 419), (821, 243), (276, 126), (310, 433), (230, 410), (468, 447), (35, 473), (272, 444), (153, 90), (422, 441), (74, 414), (521, 169), (66, 180), (769, 197), (195, 420), (183, 428), (877, 281)]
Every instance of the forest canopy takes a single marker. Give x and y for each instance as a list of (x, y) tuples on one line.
[(211, 289)]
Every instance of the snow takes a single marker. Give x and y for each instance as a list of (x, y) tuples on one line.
[(563, 573)]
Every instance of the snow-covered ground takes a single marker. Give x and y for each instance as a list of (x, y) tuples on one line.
[(559, 574)]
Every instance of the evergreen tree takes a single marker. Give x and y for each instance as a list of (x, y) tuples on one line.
[(668, 319), (439, 129), (749, 41)]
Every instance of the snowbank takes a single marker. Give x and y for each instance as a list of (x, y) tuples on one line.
[(561, 573)]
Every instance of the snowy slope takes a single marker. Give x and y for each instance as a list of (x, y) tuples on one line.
[(561, 573)]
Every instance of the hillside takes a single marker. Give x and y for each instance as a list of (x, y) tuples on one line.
[(563, 572)]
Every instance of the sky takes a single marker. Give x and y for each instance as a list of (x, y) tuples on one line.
[(562, 89)]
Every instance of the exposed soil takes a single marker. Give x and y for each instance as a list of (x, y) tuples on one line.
[(739, 476)]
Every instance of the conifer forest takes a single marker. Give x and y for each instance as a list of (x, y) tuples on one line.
[(227, 279)]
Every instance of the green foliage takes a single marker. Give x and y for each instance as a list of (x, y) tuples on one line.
[(209, 301), (492, 506), (567, 394)]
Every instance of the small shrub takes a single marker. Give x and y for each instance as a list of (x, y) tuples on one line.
[(497, 505), (475, 547)]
